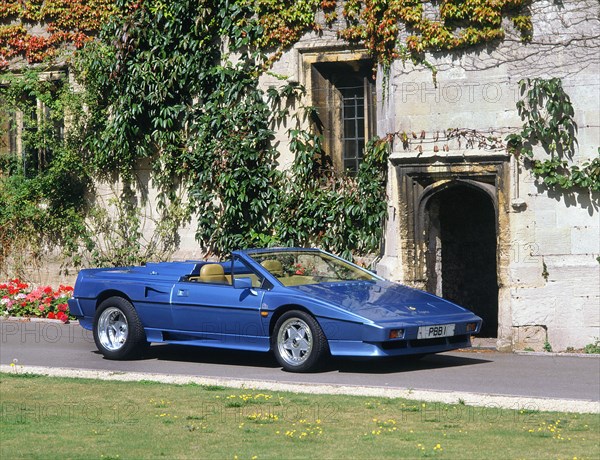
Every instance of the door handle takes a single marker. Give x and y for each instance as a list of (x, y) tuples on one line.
[(182, 293)]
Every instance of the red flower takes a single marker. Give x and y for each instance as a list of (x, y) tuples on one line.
[(47, 290), (64, 318), (41, 308), (62, 307), (51, 315)]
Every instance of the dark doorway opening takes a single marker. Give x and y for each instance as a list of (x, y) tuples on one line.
[(461, 255)]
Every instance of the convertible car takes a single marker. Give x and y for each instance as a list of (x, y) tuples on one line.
[(301, 304)]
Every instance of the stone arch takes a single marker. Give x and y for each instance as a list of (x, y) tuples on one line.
[(458, 219)]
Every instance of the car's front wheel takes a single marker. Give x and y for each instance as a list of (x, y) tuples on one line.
[(118, 331), (298, 342)]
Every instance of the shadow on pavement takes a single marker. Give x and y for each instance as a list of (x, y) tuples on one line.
[(205, 355), (405, 363), (199, 355)]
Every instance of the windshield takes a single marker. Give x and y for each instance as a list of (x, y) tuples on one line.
[(296, 268)]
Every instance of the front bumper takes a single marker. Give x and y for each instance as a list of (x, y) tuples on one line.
[(398, 347)]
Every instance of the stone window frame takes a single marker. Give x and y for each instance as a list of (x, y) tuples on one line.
[(310, 60)]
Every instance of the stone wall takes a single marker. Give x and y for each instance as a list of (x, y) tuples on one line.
[(547, 242), (548, 274)]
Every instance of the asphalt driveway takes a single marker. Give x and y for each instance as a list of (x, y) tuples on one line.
[(53, 344)]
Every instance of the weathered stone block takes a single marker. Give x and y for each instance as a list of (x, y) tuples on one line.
[(591, 313), (532, 309), (527, 275), (582, 215), (569, 311), (545, 219), (553, 240), (561, 338), (585, 240), (529, 337)]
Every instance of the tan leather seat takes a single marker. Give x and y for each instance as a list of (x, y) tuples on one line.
[(274, 266), (212, 273)]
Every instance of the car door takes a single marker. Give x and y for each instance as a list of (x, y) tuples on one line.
[(222, 312)]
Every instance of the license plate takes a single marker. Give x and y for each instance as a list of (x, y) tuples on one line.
[(441, 330)]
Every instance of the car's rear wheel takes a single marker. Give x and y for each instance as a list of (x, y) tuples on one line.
[(298, 342), (118, 331)]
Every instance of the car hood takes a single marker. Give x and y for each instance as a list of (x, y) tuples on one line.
[(381, 300)]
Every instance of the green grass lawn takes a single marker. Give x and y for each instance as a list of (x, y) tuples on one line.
[(45, 417)]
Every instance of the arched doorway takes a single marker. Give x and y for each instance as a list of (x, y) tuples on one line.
[(460, 223)]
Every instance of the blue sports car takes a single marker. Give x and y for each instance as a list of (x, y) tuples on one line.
[(302, 304)]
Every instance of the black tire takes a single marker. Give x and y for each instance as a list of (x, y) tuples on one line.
[(305, 351), (118, 331)]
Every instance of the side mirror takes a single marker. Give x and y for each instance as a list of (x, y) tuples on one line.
[(242, 283)]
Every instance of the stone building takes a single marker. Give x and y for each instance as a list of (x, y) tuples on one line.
[(467, 220)]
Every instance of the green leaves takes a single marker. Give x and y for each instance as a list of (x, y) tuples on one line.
[(41, 190), (549, 123), (338, 212), (175, 84)]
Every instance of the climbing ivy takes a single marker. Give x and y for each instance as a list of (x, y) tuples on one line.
[(276, 24), (66, 23), (280, 23), (196, 114), (340, 212), (446, 25), (42, 192), (175, 84), (549, 123)]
